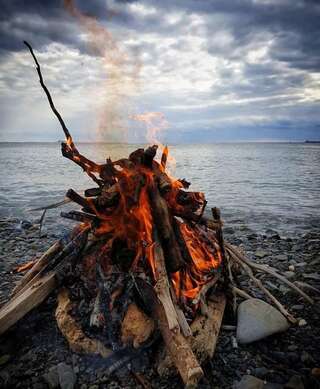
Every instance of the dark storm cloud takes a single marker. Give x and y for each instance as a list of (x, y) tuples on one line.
[(219, 42), (295, 26)]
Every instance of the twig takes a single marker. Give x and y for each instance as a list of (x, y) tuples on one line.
[(305, 285), (240, 292), (259, 284), (51, 206), (41, 222), (270, 271)]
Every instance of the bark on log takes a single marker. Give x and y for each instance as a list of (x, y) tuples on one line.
[(74, 196), (180, 351), (92, 192), (165, 314), (205, 330), (193, 217), (79, 216), (161, 219), (162, 287)]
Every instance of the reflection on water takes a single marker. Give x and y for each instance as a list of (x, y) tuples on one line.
[(263, 185)]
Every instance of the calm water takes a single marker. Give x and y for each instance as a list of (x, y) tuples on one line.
[(261, 185)]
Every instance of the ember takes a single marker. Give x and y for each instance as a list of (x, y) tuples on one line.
[(145, 259)]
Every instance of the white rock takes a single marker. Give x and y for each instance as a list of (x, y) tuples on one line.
[(302, 323), (257, 320)]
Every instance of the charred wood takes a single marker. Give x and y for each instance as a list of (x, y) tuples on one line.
[(92, 192), (161, 217), (79, 216), (149, 154)]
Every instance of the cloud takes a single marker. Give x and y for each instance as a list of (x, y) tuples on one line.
[(209, 66)]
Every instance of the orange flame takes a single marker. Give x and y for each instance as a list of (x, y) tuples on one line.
[(204, 258)]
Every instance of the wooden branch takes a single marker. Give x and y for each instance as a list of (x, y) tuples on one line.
[(19, 306), (162, 287), (161, 219), (205, 330), (259, 284), (149, 154), (240, 292), (92, 192), (179, 350), (193, 217), (80, 216), (52, 106), (75, 197), (270, 271), (164, 157), (76, 157), (305, 285), (46, 277), (217, 218), (69, 150), (38, 266), (184, 326)]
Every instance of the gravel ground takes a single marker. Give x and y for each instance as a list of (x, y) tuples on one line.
[(33, 354)]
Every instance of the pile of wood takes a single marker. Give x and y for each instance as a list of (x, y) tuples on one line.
[(142, 261), (145, 257)]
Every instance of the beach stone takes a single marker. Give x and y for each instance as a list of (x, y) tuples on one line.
[(289, 274), (25, 224), (261, 253), (249, 382), (295, 382), (67, 378), (281, 257), (257, 320), (260, 372)]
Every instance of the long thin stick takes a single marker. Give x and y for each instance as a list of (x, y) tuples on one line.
[(38, 68), (69, 149), (259, 284), (270, 271)]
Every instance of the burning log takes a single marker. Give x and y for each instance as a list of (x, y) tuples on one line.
[(79, 216), (164, 226)]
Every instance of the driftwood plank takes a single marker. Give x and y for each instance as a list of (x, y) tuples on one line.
[(205, 330), (38, 266), (19, 306)]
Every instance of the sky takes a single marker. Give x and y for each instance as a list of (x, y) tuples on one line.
[(172, 70)]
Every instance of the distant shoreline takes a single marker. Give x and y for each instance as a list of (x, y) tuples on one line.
[(169, 143)]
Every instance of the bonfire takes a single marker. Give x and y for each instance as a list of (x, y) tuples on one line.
[(142, 263)]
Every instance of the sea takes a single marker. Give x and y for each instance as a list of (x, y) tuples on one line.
[(259, 186)]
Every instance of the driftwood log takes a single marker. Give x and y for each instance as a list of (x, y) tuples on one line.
[(205, 331)]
